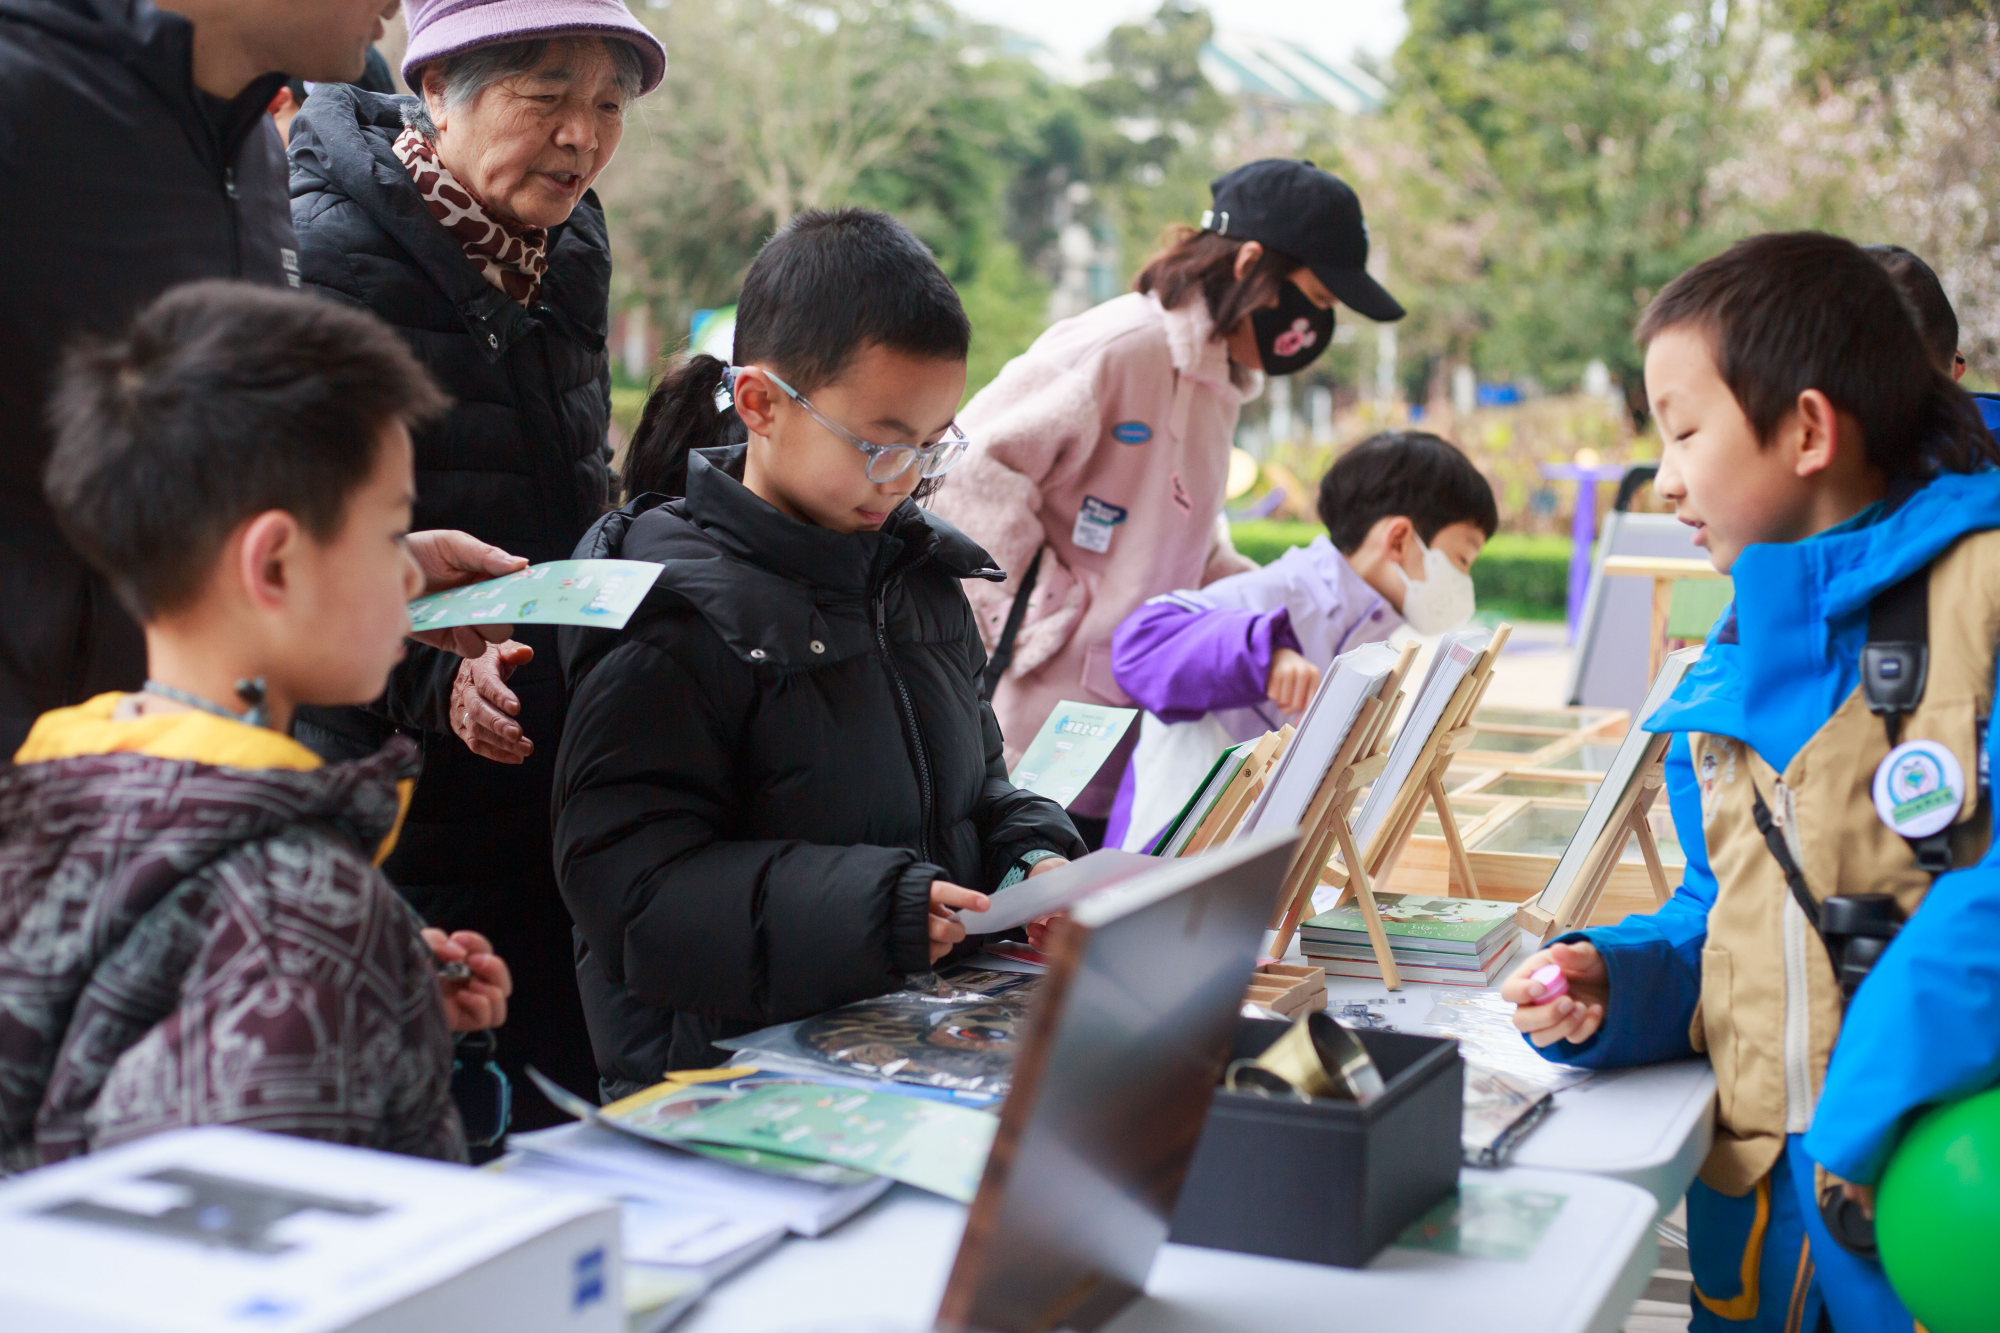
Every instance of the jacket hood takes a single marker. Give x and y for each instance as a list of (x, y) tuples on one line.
[(94, 727), (181, 813), (754, 574), (343, 144), (1198, 353), (1787, 651), (97, 853)]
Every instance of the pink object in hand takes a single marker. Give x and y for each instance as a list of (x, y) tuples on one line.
[(1552, 981)]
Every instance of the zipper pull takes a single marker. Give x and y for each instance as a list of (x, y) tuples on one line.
[(229, 181)]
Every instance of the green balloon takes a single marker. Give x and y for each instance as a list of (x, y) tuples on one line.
[(1937, 1214)]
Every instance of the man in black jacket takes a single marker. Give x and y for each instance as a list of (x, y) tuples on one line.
[(138, 156)]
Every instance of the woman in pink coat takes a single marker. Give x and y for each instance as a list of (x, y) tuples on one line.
[(1105, 446)]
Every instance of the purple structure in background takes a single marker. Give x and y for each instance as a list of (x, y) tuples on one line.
[(1582, 528)]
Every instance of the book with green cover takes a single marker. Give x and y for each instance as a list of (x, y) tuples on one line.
[(1408, 952), (1485, 1222), (1440, 969), (1182, 826), (1456, 925)]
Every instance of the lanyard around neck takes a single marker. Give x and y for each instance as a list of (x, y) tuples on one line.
[(251, 691)]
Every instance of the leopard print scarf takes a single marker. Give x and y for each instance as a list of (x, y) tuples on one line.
[(511, 258)]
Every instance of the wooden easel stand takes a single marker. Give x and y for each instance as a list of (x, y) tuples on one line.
[(1360, 760), (1629, 820), (1241, 794), (1454, 732)]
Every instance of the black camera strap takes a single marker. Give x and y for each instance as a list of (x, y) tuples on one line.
[(1774, 838), (1003, 651)]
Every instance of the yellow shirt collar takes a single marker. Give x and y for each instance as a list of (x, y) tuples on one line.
[(91, 728)]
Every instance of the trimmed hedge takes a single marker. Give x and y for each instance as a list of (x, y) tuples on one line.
[(1525, 576)]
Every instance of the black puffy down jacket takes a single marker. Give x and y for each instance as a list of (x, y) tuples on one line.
[(521, 461), (765, 770), (122, 179)]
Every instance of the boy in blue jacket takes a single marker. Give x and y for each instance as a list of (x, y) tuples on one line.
[(1847, 485)]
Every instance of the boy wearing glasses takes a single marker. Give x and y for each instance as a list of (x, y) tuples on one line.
[(778, 782)]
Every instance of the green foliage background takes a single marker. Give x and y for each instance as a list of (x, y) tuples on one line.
[(1540, 169), (1523, 576)]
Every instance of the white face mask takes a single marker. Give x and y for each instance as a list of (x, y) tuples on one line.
[(1442, 599)]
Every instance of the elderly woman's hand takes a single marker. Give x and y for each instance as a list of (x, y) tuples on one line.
[(451, 560), (483, 708)]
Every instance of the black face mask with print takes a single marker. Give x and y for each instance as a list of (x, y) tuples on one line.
[(1291, 335)]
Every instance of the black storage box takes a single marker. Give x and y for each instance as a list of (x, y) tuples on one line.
[(1325, 1181)]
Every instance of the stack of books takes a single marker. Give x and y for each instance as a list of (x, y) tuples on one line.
[(1442, 941)]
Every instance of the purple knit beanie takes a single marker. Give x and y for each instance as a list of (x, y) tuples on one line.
[(440, 28)]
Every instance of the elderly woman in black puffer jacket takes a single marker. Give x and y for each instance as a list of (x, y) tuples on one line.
[(465, 218)]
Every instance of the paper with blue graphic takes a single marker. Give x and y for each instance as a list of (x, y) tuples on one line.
[(1069, 749), (603, 593)]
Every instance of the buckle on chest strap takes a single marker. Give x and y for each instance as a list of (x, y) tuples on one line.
[(1933, 853), (1895, 662)]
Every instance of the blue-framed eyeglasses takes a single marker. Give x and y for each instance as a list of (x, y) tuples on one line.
[(886, 462)]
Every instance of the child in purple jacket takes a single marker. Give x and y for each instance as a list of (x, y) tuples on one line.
[(1405, 512)]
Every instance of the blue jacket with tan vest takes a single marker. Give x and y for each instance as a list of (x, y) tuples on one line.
[(1729, 965)]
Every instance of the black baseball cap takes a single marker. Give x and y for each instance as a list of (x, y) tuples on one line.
[(1299, 210)]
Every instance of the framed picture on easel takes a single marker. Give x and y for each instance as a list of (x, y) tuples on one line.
[(1618, 811), (1439, 726)]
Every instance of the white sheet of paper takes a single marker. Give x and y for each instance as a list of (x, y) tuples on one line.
[(1351, 680), (1056, 890), (1455, 655)]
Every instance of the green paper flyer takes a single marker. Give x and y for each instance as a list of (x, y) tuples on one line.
[(933, 1145), (602, 593), (1069, 749)]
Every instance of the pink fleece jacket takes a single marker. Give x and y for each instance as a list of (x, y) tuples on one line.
[(1108, 440)]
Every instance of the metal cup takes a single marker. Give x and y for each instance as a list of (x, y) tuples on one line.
[(1321, 1058), (1247, 1078)]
